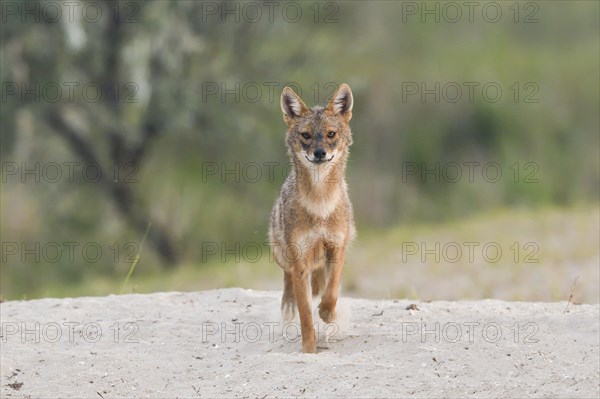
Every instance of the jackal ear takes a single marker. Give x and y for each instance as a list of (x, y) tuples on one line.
[(341, 102), (292, 105)]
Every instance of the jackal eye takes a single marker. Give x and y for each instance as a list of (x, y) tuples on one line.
[(305, 135), (331, 134)]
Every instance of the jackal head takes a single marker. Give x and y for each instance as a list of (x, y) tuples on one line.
[(318, 136)]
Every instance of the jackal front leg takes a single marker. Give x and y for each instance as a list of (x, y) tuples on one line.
[(336, 256), (300, 281)]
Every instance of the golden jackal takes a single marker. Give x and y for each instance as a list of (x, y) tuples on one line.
[(312, 221)]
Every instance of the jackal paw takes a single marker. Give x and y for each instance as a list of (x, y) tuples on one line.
[(326, 313), (309, 343)]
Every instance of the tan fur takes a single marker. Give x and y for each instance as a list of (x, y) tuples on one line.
[(312, 222)]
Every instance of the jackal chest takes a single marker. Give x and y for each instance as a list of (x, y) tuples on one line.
[(321, 206), (319, 237)]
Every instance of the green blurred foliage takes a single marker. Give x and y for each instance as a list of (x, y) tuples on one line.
[(172, 51)]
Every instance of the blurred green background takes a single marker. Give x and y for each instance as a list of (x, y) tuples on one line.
[(119, 116)]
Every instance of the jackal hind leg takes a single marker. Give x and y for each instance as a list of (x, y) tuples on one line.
[(288, 301)]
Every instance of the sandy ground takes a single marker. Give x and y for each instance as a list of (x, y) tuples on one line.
[(230, 343)]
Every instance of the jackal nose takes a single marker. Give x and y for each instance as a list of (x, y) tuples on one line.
[(320, 153)]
